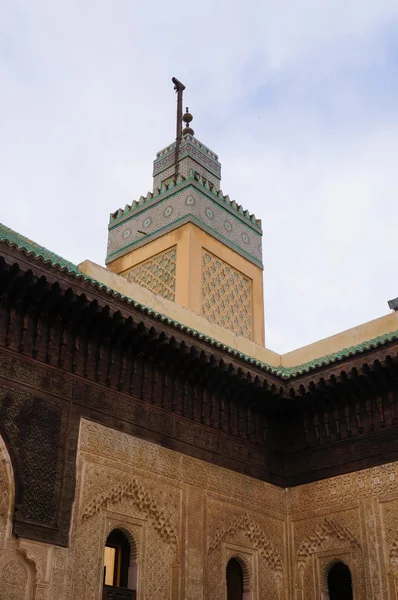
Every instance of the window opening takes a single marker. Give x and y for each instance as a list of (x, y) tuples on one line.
[(339, 582), (120, 567), (234, 580)]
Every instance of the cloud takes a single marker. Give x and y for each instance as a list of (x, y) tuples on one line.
[(296, 97)]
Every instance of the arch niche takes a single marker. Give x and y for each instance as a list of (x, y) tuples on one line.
[(238, 580), (120, 562), (337, 581)]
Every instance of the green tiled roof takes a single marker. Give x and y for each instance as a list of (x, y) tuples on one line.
[(20, 242), (323, 361), (23, 243)]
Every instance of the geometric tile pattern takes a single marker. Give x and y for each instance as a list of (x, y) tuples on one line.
[(226, 296), (189, 147), (157, 274), (186, 204)]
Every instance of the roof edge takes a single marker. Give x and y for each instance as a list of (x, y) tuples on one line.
[(30, 248)]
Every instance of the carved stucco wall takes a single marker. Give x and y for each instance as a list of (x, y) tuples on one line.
[(353, 518), (25, 566), (189, 517), (14, 580)]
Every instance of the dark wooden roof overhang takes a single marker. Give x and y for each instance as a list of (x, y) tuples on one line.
[(331, 420), (40, 287)]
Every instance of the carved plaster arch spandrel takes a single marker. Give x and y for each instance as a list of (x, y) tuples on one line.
[(143, 500), (258, 540), (323, 532)]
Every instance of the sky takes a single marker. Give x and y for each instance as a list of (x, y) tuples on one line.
[(297, 98)]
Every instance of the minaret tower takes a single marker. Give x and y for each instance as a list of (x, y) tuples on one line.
[(188, 242)]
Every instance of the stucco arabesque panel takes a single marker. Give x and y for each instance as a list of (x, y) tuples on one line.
[(328, 534), (224, 520), (30, 558), (389, 516), (107, 490), (125, 449), (122, 456), (379, 482), (159, 504), (252, 532)]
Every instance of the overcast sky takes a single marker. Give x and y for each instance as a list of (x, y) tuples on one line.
[(298, 98)]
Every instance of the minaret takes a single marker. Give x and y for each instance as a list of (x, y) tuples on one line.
[(188, 242)]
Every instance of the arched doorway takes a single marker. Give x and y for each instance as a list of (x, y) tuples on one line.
[(339, 582), (120, 567), (234, 580)]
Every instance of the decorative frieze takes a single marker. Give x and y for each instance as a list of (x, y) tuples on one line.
[(185, 204)]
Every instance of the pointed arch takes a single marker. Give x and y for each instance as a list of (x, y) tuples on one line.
[(326, 570), (339, 581), (246, 570), (120, 558), (130, 535)]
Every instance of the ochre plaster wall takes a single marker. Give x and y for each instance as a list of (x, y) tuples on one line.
[(345, 339), (178, 311), (189, 517), (190, 240)]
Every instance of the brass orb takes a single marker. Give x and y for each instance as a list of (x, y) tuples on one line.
[(187, 118)]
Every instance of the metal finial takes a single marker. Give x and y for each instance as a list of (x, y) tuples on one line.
[(179, 88), (187, 118)]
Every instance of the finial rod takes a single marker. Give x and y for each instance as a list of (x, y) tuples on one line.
[(179, 88)]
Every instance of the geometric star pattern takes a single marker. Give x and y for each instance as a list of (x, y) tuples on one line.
[(226, 296), (158, 274)]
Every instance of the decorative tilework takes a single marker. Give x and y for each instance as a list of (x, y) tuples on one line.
[(169, 186), (186, 164), (158, 274), (188, 204), (226, 296), (190, 147)]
